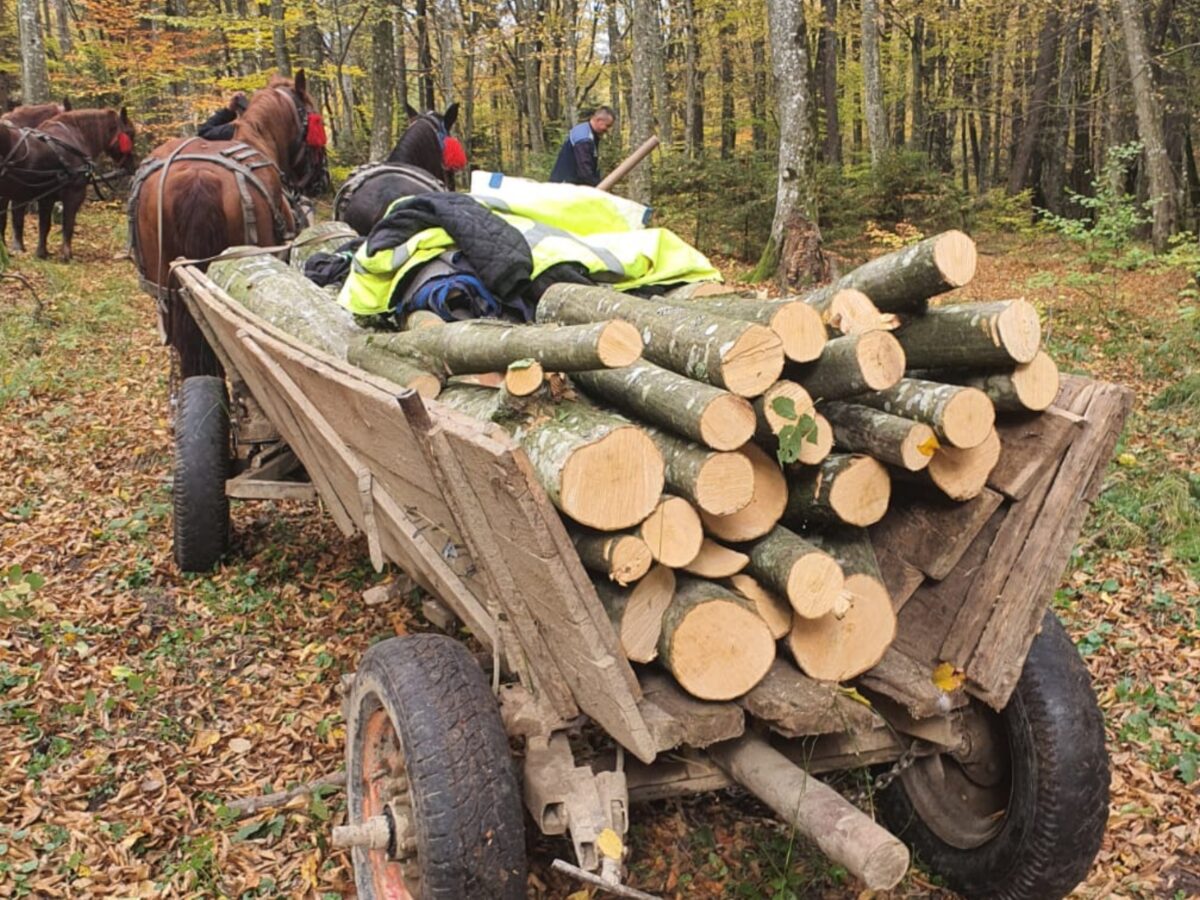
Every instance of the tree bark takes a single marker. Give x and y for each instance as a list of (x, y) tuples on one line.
[(719, 483), (848, 489), (614, 74), (693, 84), (641, 112), (424, 57), (622, 558), (873, 82), (705, 414), (972, 336), (1044, 78), (959, 416), (324, 237), (725, 38), (829, 83), (662, 90), (395, 369), (798, 325), (742, 357), (383, 63), (792, 567), (35, 82), (283, 61), (1027, 387), (853, 364), (888, 438), (1150, 125), (570, 14)]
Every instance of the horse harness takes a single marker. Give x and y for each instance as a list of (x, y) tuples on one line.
[(82, 170), (244, 161), (360, 175)]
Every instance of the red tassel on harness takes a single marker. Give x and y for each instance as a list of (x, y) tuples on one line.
[(124, 143), (454, 157), (314, 135)]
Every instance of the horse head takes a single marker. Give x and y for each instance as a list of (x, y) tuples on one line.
[(119, 146), (284, 116), (428, 144)]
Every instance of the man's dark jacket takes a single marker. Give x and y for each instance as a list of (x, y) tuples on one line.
[(218, 126), (578, 158)]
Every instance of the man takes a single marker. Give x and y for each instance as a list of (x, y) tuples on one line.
[(579, 158), (219, 126)]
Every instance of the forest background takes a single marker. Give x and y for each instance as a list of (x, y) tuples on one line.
[(948, 113)]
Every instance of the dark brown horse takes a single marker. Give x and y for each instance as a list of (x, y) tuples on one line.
[(27, 116), (194, 198), (57, 160)]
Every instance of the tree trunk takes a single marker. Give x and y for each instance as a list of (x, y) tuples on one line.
[(445, 22), (873, 82), (758, 96), (853, 364), (396, 369), (959, 416), (713, 641), (424, 57), (614, 74), (623, 558), (570, 13), (383, 64), (35, 82), (829, 83), (401, 44), (283, 61), (1056, 135), (641, 112), (662, 90), (1150, 125), (1044, 78), (693, 92), (888, 438), (972, 336), (794, 202), (848, 489), (725, 38), (742, 357), (324, 237), (917, 56), (792, 567), (1028, 387), (708, 415)]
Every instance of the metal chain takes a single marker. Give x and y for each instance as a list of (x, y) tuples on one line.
[(907, 758)]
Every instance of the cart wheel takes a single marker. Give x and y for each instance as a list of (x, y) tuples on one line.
[(428, 763), (1019, 813), (201, 467)]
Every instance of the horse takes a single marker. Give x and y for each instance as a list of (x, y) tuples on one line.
[(424, 160), (195, 198), (56, 161), (25, 116)]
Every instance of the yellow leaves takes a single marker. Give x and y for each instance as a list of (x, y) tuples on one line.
[(929, 447), (947, 678), (309, 869), (853, 694), (609, 844), (1127, 460), (203, 741)]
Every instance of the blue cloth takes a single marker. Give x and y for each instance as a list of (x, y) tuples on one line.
[(458, 295), (578, 159)]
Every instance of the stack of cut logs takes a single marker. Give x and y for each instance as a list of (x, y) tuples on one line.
[(717, 456)]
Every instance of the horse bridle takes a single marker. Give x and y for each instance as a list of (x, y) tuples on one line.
[(301, 156)]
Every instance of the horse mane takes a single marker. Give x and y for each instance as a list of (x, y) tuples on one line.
[(270, 119), (95, 126), (419, 146), (29, 115)]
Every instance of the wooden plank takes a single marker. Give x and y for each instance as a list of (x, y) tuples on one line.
[(243, 488), (506, 519), (910, 683), (697, 723), (996, 665), (900, 579), (795, 705), (932, 532), (1028, 445)]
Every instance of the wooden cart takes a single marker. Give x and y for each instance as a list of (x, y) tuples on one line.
[(994, 771)]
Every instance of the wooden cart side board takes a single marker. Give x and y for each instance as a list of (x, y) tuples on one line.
[(507, 521)]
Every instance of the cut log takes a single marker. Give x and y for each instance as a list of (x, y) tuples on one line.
[(713, 641), (847, 311), (488, 345), (716, 561), (905, 279), (850, 365), (524, 377), (843, 489), (673, 532), (771, 608), (890, 439), (771, 432), (798, 325), (742, 357), (808, 577), (769, 498), (323, 237), (959, 416), (843, 832), (962, 474), (706, 414), (421, 318), (623, 558), (1029, 386), (972, 336), (717, 483), (837, 649), (289, 301), (637, 612), (395, 369), (598, 468)]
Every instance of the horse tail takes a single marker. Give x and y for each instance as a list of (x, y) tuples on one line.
[(199, 230)]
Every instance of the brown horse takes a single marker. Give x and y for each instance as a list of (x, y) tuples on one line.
[(194, 198), (27, 116), (56, 161)]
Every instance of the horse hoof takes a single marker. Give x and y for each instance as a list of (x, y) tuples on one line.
[(42, 254)]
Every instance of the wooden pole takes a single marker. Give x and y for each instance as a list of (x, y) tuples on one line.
[(628, 165)]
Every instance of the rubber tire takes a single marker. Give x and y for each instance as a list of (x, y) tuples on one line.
[(1058, 806), (467, 809), (202, 463)]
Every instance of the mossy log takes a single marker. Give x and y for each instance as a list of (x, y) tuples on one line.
[(972, 336), (743, 357), (798, 325), (851, 365), (890, 439), (844, 488), (598, 468), (622, 558), (903, 280), (959, 416), (713, 641), (807, 576), (395, 369), (323, 237), (706, 414), (718, 483), (637, 612)]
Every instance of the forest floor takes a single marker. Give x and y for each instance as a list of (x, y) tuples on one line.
[(135, 703)]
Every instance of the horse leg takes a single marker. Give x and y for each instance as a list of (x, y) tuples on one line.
[(45, 220), (4, 219), (72, 199)]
